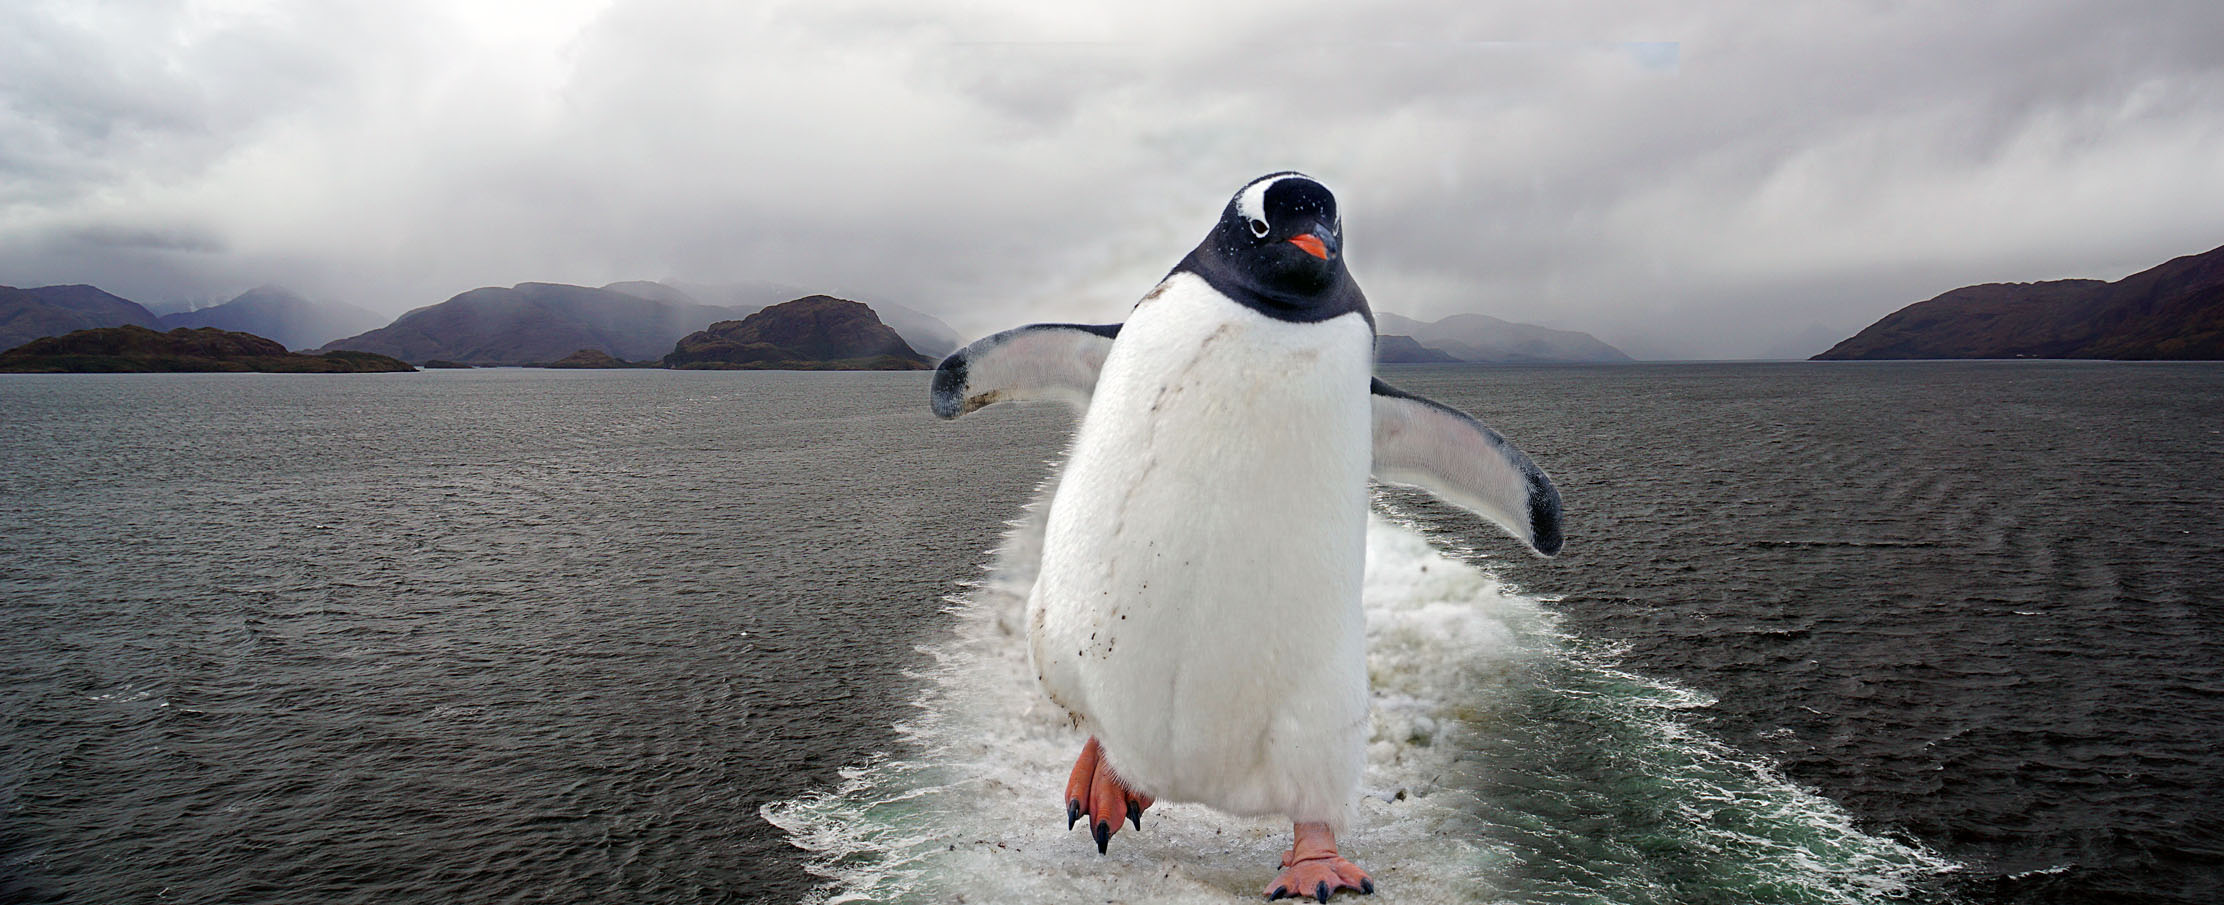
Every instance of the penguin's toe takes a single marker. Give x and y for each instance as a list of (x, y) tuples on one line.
[(1094, 791), (1318, 878)]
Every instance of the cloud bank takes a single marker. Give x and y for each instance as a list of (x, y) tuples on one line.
[(1717, 180)]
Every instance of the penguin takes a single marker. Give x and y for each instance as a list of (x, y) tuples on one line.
[(1197, 608)]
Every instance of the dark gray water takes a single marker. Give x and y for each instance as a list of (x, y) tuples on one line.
[(458, 636), (1980, 604), (537, 635)]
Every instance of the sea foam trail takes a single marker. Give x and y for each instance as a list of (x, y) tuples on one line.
[(1504, 765)]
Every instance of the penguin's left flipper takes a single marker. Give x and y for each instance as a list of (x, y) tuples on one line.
[(1038, 361), (1443, 450)]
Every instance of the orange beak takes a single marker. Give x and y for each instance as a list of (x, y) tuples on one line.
[(1312, 245)]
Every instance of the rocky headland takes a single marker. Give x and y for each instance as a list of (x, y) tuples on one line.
[(2172, 311)]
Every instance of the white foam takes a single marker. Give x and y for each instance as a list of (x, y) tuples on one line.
[(972, 810)]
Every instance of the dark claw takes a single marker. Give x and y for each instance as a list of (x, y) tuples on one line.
[(1103, 832), (1367, 886), (1321, 892), (1278, 892), (1073, 812), (1135, 814)]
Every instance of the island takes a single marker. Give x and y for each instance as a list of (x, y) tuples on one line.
[(596, 358), (132, 348), (813, 333)]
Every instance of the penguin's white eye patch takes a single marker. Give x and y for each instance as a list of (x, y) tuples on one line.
[(1250, 204)]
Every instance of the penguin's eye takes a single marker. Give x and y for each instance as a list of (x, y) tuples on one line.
[(1258, 227)]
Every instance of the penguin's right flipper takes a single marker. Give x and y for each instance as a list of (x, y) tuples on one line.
[(1038, 361), (1447, 452)]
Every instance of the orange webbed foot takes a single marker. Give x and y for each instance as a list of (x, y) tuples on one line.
[(1092, 790), (1312, 869)]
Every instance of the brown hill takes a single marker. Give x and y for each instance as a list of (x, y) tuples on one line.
[(815, 332), (2173, 311), (135, 348)]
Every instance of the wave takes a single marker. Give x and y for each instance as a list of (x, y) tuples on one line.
[(1508, 762)]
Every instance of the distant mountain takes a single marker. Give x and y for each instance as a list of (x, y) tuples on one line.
[(2172, 311), (135, 348), (28, 314), (1392, 349), (536, 323), (1477, 337), (279, 314), (812, 333)]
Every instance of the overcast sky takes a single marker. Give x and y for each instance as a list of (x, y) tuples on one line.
[(1695, 180)]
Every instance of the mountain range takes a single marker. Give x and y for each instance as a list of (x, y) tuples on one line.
[(524, 324), (1392, 349), (639, 320), (2172, 311), (28, 314), (534, 323), (1482, 338)]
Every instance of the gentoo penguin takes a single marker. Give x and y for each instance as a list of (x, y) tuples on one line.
[(1197, 610)]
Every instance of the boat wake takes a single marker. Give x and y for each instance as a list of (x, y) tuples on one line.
[(1508, 762)]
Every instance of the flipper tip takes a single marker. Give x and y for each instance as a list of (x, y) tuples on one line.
[(1544, 515), (948, 397)]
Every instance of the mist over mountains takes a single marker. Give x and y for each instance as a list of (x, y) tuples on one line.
[(642, 320), (277, 313), (2174, 310)]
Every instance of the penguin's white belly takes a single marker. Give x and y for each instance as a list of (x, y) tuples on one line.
[(1198, 604)]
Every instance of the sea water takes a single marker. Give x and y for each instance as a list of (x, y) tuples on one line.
[(1822, 632)]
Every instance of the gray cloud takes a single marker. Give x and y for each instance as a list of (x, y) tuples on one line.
[(126, 238), (1725, 180)]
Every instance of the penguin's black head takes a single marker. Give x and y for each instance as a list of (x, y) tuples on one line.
[(1279, 248), (1283, 229)]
